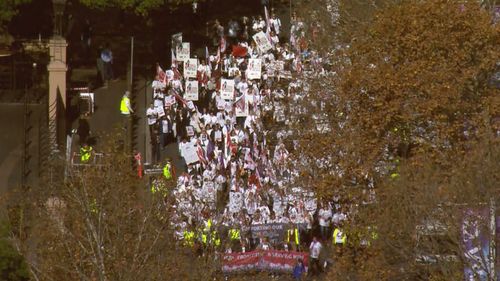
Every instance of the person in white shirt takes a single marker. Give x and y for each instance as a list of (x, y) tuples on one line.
[(275, 23), (315, 251), (152, 115), (324, 217)]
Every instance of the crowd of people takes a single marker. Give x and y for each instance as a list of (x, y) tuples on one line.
[(239, 171)]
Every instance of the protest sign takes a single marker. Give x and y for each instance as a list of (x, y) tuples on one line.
[(190, 131), (233, 71), (271, 260), (176, 40), (191, 90), (254, 69), (235, 202), (208, 191), (190, 105), (262, 42), (190, 68), (169, 101), (227, 89), (218, 136), (161, 111), (188, 151), (183, 51)]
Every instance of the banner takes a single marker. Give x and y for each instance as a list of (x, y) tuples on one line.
[(240, 261), (191, 90), (270, 230), (183, 51), (227, 89), (254, 69), (271, 260), (262, 42), (282, 260), (190, 68), (188, 151)]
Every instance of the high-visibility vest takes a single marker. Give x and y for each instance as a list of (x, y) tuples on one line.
[(339, 237), (208, 225), (166, 171), (234, 234), (188, 238), (85, 154), (123, 105), (215, 239), (159, 187), (295, 233)]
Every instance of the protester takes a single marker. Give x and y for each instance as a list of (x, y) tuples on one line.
[(315, 250), (236, 177), (299, 270)]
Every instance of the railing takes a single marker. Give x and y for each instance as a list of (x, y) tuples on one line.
[(95, 160)]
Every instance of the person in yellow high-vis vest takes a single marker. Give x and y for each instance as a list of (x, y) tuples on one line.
[(339, 237), (188, 238), (125, 105), (234, 234), (126, 111), (292, 237), (85, 153)]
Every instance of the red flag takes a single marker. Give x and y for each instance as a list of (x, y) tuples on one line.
[(240, 103), (178, 97), (161, 74), (177, 74), (201, 154)]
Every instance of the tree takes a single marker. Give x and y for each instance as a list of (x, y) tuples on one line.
[(138, 6), (8, 9), (401, 90), (407, 114), (12, 266), (102, 223)]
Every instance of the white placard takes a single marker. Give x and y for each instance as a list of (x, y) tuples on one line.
[(190, 131), (190, 68), (218, 136), (190, 105), (233, 71), (262, 42), (227, 89), (208, 192), (235, 202), (191, 90), (189, 153), (169, 101), (254, 69), (183, 51)]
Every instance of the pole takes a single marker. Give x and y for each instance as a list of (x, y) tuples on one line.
[(131, 62)]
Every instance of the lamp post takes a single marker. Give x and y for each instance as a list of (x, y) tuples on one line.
[(58, 6)]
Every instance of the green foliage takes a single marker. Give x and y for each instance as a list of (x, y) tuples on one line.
[(141, 7), (8, 9), (12, 266)]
